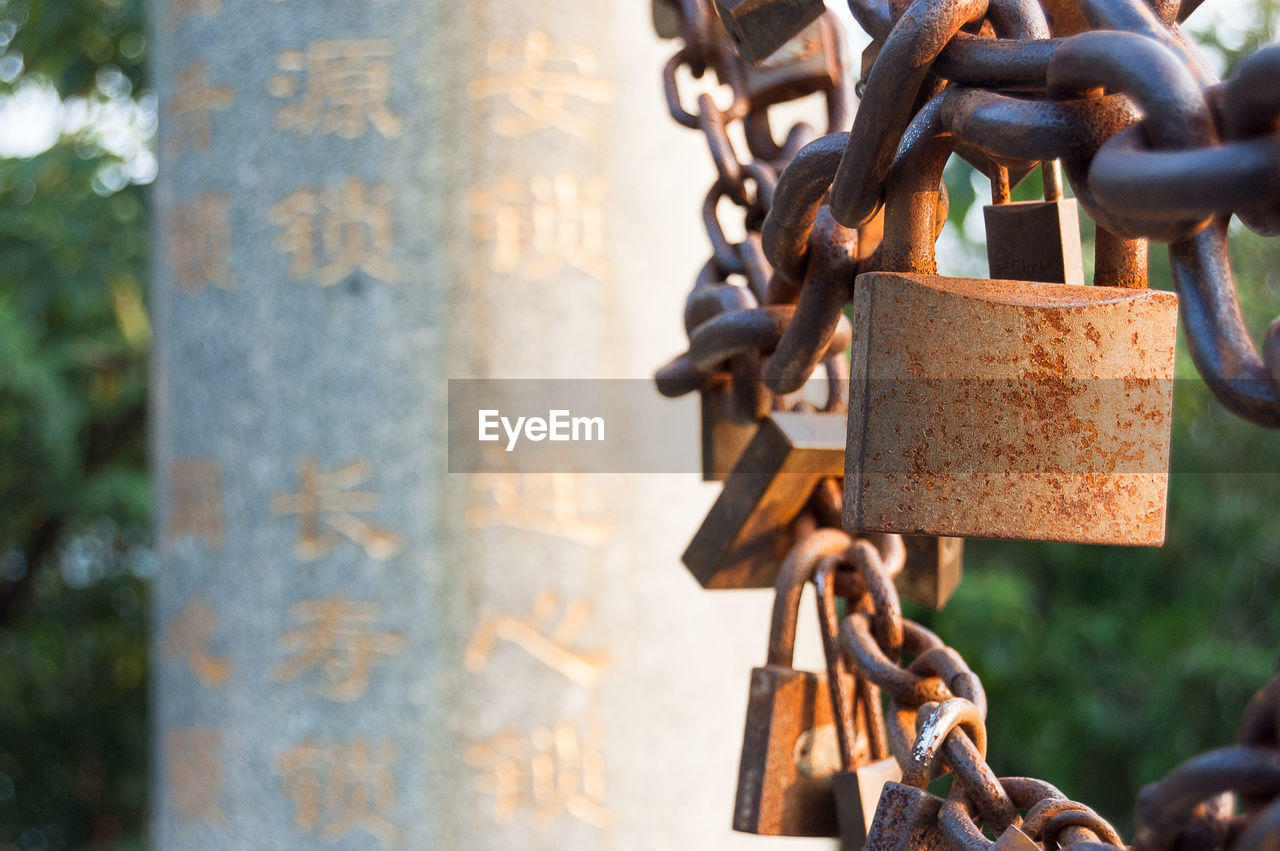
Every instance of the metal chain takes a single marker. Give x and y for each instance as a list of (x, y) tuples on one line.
[(1153, 145), (1193, 807), (1155, 148)]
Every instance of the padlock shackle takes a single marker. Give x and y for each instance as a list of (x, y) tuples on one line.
[(797, 570), (935, 722), (884, 116), (840, 685), (911, 197)]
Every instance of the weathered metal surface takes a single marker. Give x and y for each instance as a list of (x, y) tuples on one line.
[(1009, 410), (759, 28), (747, 532)]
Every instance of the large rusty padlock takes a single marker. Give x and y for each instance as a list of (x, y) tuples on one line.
[(748, 530), (1005, 409), (789, 747)]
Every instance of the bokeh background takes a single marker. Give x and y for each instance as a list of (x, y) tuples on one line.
[(1104, 667)]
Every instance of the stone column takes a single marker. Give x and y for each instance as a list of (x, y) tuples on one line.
[(354, 648)]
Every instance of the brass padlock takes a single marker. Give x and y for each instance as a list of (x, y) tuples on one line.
[(1033, 240), (906, 818), (864, 759), (760, 27), (933, 570), (1004, 409), (789, 748), (748, 530)]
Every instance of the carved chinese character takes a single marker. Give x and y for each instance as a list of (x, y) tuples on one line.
[(349, 226), (337, 637), (340, 787), (324, 499), (195, 501), (193, 99), (193, 769), (188, 639), (347, 85), (543, 84), (200, 243), (559, 504), (551, 772), (548, 641), (539, 228)]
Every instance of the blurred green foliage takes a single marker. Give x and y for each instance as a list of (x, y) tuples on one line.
[(74, 529), (70, 41)]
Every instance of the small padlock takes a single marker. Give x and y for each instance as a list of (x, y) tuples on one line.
[(789, 748), (760, 27), (748, 530), (1033, 240), (807, 63), (933, 570), (666, 17), (865, 763), (906, 818), (1003, 409)]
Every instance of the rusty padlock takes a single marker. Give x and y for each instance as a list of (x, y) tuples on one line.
[(933, 570), (789, 748), (748, 530), (760, 27), (1004, 409), (865, 762), (1033, 240), (906, 818)]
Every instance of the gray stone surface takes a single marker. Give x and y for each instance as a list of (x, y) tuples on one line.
[(358, 201)]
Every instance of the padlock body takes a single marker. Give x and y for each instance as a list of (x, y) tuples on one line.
[(933, 569), (1005, 409), (759, 28), (906, 819), (1035, 241), (857, 794), (723, 436), (746, 535), (788, 758)]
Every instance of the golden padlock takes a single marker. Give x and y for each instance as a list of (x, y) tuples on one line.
[(1003, 409)]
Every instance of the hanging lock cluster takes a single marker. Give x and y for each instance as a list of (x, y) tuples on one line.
[(1027, 405)]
